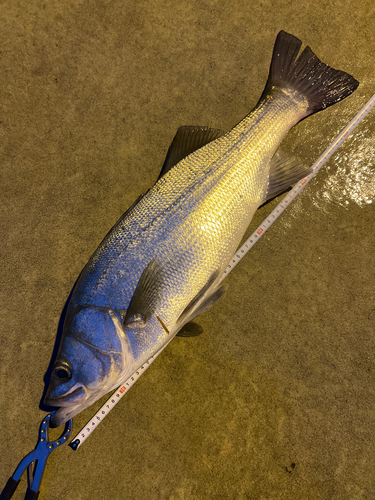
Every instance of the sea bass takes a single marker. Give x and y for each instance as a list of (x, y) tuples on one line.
[(158, 267)]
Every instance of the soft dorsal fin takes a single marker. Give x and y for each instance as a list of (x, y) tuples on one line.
[(284, 172), (187, 140), (146, 297)]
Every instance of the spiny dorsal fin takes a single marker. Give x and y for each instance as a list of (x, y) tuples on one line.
[(146, 297), (284, 172), (187, 140)]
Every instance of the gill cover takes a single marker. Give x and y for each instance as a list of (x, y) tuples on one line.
[(94, 357)]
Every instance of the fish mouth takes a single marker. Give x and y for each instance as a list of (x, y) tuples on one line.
[(75, 396), (70, 404), (62, 415)]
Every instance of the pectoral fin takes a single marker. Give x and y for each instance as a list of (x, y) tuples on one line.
[(146, 297)]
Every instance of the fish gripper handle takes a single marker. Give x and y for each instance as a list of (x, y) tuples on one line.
[(9, 489), (31, 494)]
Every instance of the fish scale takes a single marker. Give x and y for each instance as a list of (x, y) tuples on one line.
[(230, 183)]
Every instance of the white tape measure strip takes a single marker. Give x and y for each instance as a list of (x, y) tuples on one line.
[(86, 431), (250, 242)]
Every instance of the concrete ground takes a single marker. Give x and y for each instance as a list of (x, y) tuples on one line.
[(276, 399)]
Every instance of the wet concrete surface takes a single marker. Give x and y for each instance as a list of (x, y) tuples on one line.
[(276, 399)]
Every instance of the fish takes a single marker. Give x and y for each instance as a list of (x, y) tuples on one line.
[(158, 268)]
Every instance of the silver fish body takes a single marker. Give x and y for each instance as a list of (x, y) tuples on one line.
[(158, 267)]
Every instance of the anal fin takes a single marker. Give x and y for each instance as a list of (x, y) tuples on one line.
[(284, 172)]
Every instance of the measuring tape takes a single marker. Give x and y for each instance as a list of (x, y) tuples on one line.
[(86, 431), (335, 144)]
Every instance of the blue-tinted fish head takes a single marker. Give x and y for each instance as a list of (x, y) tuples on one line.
[(94, 357)]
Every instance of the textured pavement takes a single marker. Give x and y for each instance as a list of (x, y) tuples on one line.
[(276, 399)]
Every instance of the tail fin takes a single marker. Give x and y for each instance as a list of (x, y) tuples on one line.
[(320, 84)]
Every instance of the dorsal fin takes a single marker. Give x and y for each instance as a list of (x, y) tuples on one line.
[(187, 140)]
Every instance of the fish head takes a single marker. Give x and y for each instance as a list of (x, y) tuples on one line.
[(94, 357)]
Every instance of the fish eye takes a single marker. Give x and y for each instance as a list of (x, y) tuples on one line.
[(63, 372)]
